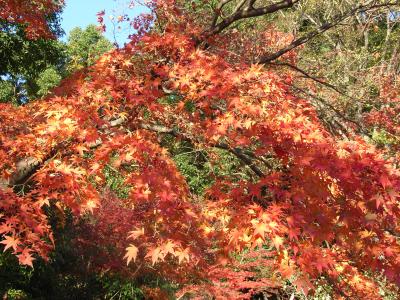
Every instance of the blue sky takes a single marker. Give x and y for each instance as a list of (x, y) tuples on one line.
[(80, 13)]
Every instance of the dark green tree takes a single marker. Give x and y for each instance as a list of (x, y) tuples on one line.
[(26, 64), (30, 68)]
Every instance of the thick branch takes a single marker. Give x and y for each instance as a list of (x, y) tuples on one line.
[(28, 166), (244, 158), (218, 9), (24, 168), (244, 12)]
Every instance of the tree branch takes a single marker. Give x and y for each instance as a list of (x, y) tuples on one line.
[(244, 12), (244, 158), (336, 20), (307, 75), (335, 111), (218, 9), (320, 81), (235, 151), (28, 166)]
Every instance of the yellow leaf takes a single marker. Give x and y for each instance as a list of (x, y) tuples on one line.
[(134, 234), (278, 241), (131, 253), (155, 255), (183, 255)]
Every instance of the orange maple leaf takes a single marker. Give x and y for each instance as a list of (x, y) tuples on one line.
[(10, 242), (25, 258), (260, 229)]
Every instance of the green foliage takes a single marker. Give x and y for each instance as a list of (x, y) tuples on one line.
[(6, 91), (23, 60), (16, 294), (66, 276), (192, 165), (117, 288), (382, 138), (115, 181), (47, 80), (29, 69), (201, 168), (85, 46), (12, 276)]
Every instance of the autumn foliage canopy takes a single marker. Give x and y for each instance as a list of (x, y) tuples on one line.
[(312, 207), (31, 14)]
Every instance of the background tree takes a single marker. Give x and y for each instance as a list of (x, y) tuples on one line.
[(31, 68), (85, 46), (24, 61)]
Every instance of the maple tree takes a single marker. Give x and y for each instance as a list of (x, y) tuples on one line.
[(313, 207), (31, 14)]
